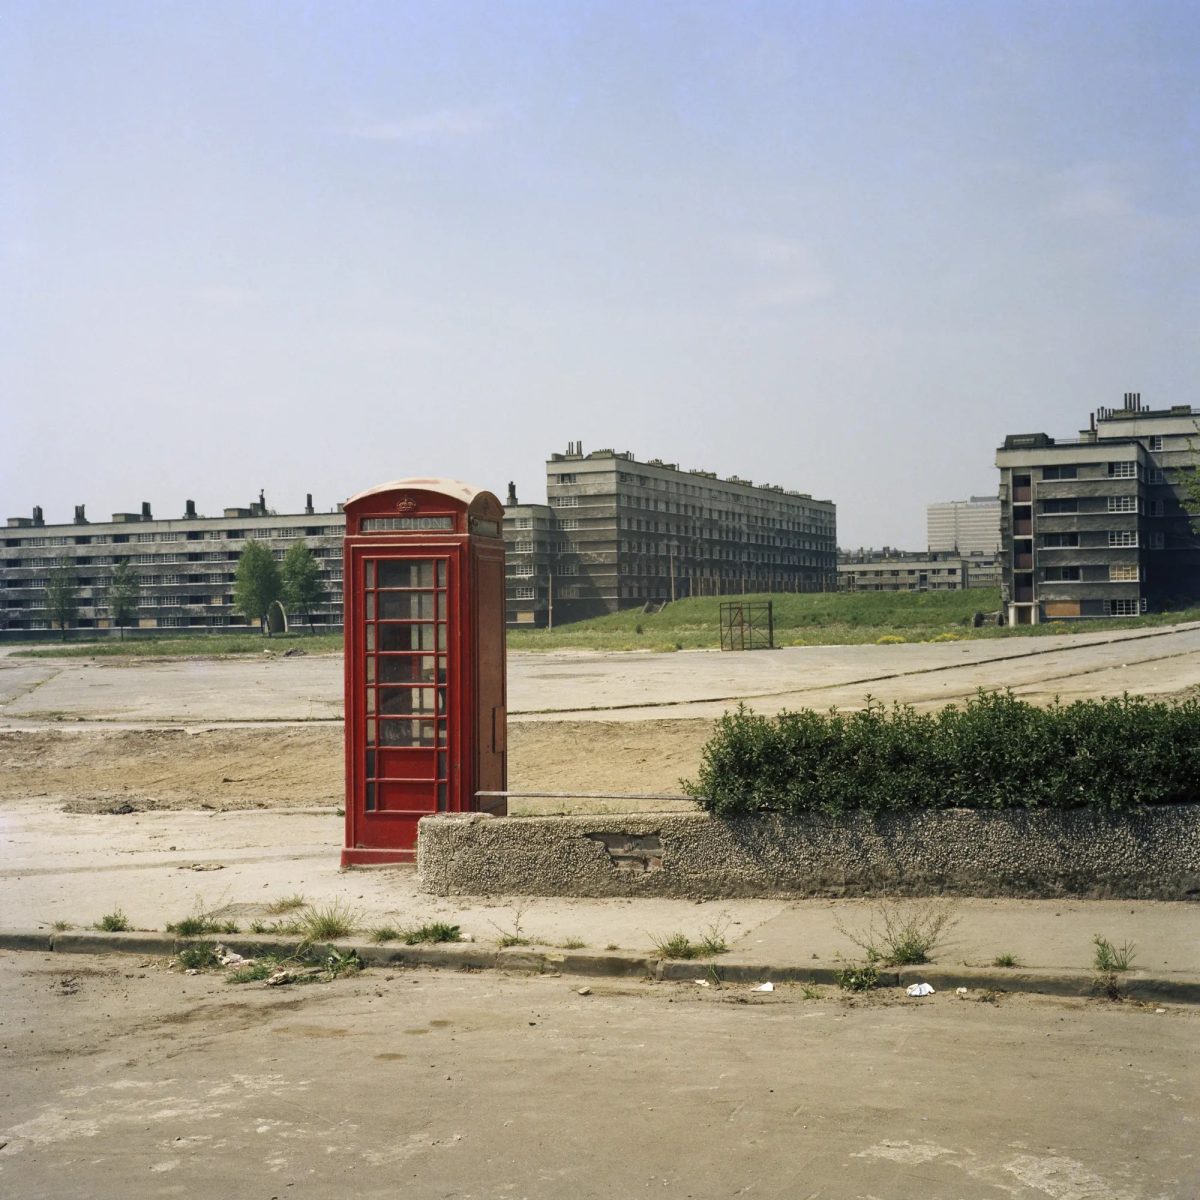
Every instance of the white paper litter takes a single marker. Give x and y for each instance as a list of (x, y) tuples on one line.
[(960, 991), (919, 989), (765, 987), (702, 982)]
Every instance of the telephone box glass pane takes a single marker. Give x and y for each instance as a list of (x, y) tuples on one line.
[(405, 574), (408, 668), (406, 606), (399, 638), (402, 701), (407, 733), (370, 573)]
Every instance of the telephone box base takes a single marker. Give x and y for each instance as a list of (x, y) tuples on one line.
[(364, 856)]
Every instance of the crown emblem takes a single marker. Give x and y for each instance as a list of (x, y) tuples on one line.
[(406, 504)]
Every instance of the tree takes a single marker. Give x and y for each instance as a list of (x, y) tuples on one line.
[(257, 584), (62, 594), (124, 589), (301, 580)]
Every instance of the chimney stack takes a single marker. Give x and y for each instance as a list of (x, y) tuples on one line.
[(146, 514), (189, 511), (511, 501), (80, 519), (37, 515), (308, 503)]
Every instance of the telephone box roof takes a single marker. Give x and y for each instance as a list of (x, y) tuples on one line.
[(455, 489)]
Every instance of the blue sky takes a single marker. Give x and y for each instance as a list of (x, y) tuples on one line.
[(841, 247)]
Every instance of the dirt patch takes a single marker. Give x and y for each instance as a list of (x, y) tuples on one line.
[(126, 771)]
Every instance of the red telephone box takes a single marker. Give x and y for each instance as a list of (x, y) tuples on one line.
[(425, 670)]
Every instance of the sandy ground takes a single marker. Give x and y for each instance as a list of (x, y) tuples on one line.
[(302, 767)]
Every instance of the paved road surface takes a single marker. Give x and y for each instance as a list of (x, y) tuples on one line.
[(123, 1082)]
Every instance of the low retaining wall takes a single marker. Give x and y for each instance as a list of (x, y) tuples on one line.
[(1151, 854)]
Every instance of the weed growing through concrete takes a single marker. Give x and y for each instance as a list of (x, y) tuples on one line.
[(385, 933), (858, 978), (516, 935), (300, 968), (434, 931), (260, 968), (334, 920), (198, 957), (809, 992), (287, 904), (679, 945), (200, 923), (574, 943), (612, 946), (113, 922), (1110, 958), (62, 926), (907, 936), (1006, 960)]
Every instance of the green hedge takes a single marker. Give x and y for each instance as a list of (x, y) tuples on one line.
[(994, 752)]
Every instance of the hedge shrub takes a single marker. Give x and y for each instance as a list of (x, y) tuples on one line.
[(994, 752)]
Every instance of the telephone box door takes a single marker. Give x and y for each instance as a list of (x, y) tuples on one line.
[(407, 687)]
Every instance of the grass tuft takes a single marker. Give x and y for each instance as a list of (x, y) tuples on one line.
[(287, 904), (113, 922), (679, 945), (334, 920), (1109, 958), (198, 957), (434, 931), (1006, 960)]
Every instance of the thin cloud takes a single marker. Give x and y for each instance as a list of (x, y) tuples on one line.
[(786, 272), (437, 125)]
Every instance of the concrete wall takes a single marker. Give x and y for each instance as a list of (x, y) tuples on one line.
[(1150, 854)]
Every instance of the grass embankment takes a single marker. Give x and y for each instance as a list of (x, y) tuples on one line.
[(822, 619), (197, 645)]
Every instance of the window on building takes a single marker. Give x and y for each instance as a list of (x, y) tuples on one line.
[(1122, 537), (1156, 508), (1051, 540), (1124, 608), (168, 601), (1122, 504), (567, 478), (1123, 572), (1123, 470), (1060, 506), (523, 547), (567, 569), (1059, 472), (523, 593), (143, 559), (569, 523), (1155, 541), (169, 622), (1154, 475), (522, 570), (1062, 575), (1156, 442), (565, 501), (522, 522)]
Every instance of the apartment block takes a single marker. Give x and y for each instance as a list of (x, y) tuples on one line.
[(185, 566), (964, 526), (911, 572), (621, 533), (1096, 526)]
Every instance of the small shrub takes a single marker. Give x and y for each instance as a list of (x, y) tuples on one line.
[(1109, 958), (113, 922), (337, 964), (898, 936), (385, 933), (858, 978), (287, 904), (437, 931), (198, 957), (1005, 960), (994, 752)]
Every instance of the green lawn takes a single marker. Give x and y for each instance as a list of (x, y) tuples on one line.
[(204, 645), (823, 619)]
